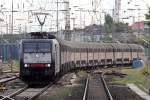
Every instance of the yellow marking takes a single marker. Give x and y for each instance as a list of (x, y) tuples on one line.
[(2, 87)]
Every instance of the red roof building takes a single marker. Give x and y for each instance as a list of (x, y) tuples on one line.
[(139, 26)]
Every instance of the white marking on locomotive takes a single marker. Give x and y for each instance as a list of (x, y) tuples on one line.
[(37, 57), (56, 51)]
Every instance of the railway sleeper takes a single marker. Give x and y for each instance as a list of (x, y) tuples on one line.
[(5, 98)]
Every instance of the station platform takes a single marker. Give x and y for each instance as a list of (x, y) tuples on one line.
[(138, 91)]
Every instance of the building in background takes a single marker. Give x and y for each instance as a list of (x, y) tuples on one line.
[(92, 33), (140, 27)]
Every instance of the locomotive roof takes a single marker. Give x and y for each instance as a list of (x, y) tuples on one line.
[(41, 35), (30, 40)]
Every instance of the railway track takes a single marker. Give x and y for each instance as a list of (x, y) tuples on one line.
[(31, 93), (26, 93), (10, 96), (8, 78), (96, 88)]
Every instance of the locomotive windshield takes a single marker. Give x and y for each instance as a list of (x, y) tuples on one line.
[(33, 47)]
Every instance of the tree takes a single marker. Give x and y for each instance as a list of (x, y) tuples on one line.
[(109, 24), (121, 27)]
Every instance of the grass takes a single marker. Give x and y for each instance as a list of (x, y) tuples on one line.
[(61, 94), (15, 65), (81, 73), (147, 50), (139, 77), (66, 93)]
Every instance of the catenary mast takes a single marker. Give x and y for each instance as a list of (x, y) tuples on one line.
[(116, 13)]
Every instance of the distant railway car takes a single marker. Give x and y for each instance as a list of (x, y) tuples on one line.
[(9, 51), (41, 60)]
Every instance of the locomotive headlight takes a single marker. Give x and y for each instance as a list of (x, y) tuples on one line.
[(25, 65), (37, 55), (48, 65)]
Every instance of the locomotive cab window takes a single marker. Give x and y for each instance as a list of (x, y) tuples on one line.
[(37, 47), (29, 47), (44, 47)]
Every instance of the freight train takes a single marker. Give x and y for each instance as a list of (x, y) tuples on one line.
[(41, 60)]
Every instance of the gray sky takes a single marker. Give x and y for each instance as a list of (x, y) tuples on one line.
[(22, 18)]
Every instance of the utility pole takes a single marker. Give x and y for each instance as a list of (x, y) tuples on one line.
[(1, 30), (95, 4), (80, 9), (100, 21), (12, 22), (138, 23), (6, 25), (117, 10), (73, 19), (84, 21), (12, 18), (67, 20), (57, 20), (9, 24), (138, 9)]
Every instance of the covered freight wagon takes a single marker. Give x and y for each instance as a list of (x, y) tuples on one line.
[(9, 51)]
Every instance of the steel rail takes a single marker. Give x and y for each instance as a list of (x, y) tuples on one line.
[(10, 96), (18, 92), (4, 80), (43, 90), (106, 87), (86, 89)]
